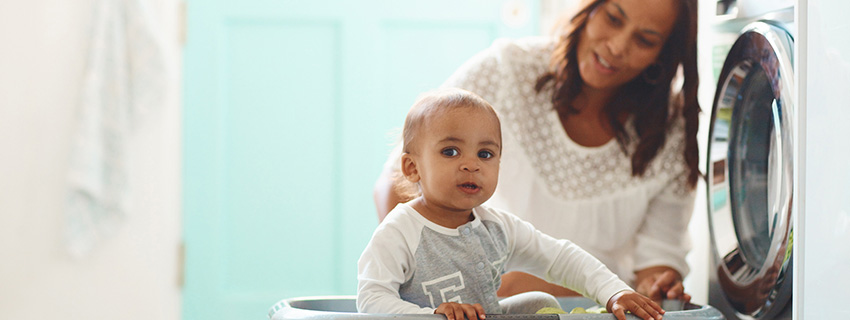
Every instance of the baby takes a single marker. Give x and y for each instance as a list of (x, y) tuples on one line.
[(444, 252)]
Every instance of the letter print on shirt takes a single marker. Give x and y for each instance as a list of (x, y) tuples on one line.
[(445, 286), (498, 264)]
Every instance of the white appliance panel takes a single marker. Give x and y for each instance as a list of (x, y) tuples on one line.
[(820, 269)]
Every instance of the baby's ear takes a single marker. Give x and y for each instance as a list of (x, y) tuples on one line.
[(408, 168)]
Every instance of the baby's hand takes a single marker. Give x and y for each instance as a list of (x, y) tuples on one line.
[(637, 303), (456, 311)]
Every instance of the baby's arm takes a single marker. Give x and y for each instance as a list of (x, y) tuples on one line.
[(377, 298), (381, 271), (560, 261), (456, 311), (636, 303), (565, 263)]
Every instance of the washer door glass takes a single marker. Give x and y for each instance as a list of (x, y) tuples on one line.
[(750, 172), (752, 157)]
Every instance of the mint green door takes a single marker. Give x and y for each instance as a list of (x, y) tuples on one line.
[(288, 109)]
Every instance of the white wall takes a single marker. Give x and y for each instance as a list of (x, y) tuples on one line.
[(551, 11), (133, 274)]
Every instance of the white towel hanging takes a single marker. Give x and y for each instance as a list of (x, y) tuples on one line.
[(124, 77)]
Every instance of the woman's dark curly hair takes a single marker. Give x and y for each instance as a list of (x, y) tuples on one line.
[(649, 104)]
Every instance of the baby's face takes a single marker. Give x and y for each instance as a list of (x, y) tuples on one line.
[(458, 155)]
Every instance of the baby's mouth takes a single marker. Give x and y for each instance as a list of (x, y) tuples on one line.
[(469, 187)]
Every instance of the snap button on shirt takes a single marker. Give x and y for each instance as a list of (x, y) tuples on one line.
[(466, 231)]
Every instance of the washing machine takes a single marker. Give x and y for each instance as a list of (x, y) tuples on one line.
[(751, 160)]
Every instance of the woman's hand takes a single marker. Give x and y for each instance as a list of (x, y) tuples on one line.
[(660, 283), (635, 303), (456, 311)]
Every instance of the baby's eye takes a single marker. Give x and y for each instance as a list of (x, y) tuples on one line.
[(484, 154), (450, 152)]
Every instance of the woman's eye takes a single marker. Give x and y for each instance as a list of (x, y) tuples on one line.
[(646, 42), (485, 154), (450, 152), (614, 20)]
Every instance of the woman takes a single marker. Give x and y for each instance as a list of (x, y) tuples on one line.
[(596, 133)]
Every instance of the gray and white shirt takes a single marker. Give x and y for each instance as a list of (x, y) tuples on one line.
[(412, 265)]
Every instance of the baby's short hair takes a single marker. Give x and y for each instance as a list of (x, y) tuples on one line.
[(433, 102)]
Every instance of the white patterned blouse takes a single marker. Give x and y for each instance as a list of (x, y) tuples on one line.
[(585, 194)]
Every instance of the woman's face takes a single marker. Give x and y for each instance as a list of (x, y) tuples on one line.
[(621, 39)]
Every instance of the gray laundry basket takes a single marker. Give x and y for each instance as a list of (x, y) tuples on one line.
[(344, 308)]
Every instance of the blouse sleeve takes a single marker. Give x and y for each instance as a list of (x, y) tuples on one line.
[(663, 238), (481, 74)]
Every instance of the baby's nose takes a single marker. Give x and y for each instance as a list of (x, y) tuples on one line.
[(470, 166)]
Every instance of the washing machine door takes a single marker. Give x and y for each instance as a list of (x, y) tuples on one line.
[(750, 174)]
